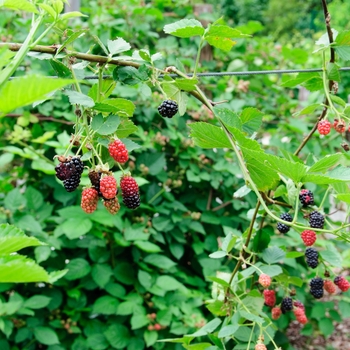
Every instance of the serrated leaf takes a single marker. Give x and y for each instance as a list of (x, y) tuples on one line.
[(208, 328), (77, 34), (18, 269), (105, 126), (338, 100), (184, 28), (228, 331), (45, 335), (209, 136), (117, 46), (333, 71), (251, 119), (76, 97), (323, 165), (273, 255), (299, 79), (49, 10), (343, 52), (271, 270), (120, 106), (12, 239), (307, 110), (25, 90), (228, 117), (186, 84), (224, 44), (332, 257), (126, 128), (21, 5), (345, 197)]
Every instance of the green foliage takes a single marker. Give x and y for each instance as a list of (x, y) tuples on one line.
[(169, 263)]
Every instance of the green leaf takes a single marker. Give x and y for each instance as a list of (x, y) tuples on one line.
[(342, 45), (120, 106), (332, 257), (72, 14), (150, 337), (228, 117), (224, 44), (109, 125), (209, 136), (271, 270), (273, 255), (45, 335), (329, 161), (76, 227), (307, 110), (117, 46), (186, 84), (139, 321), (300, 78), (326, 326), (18, 269), (118, 336), (71, 38), (21, 5), (337, 100), (37, 302), (105, 305), (228, 331), (126, 128), (251, 119), (13, 239), (217, 255), (208, 328), (77, 268), (97, 341), (345, 197), (333, 71), (27, 89), (169, 283), (185, 28), (147, 246), (79, 98), (174, 93), (159, 261), (343, 52), (49, 10), (339, 174), (101, 274)]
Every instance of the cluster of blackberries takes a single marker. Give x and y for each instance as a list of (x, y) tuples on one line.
[(287, 304), (69, 171), (168, 108), (318, 285), (105, 186)]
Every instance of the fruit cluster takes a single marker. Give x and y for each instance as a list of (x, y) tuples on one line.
[(324, 126), (286, 305), (103, 184)]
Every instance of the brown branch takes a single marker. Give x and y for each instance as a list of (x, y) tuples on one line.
[(41, 117), (80, 55), (210, 197), (272, 201), (327, 18)]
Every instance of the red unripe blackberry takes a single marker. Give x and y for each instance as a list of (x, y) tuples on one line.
[(316, 219), (265, 280), (342, 283), (300, 315), (260, 347), (283, 228), (270, 297), (329, 286), (324, 127), (339, 125), (308, 237), (306, 197), (112, 205), (286, 305), (298, 304), (108, 187), (118, 151), (130, 192), (168, 108), (276, 313), (157, 327), (89, 200)]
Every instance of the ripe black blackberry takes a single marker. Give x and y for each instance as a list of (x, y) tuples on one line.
[(283, 228), (168, 108), (132, 201), (316, 219), (311, 255), (287, 304), (62, 171), (75, 168), (306, 197), (316, 287)]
